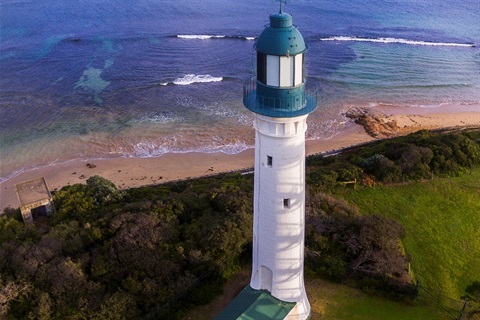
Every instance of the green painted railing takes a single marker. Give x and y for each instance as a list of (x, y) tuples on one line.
[(290, 102)]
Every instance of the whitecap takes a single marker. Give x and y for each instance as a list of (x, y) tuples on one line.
[(192, 78), (397, 40), (199, 36)]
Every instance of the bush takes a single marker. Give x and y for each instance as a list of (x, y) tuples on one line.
[(103, 191), (341, 243), (382, 168)]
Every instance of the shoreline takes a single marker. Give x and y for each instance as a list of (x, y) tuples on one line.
[(135, 172)]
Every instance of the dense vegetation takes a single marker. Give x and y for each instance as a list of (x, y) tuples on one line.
[(420, 155), (153, 252), (144, 253)]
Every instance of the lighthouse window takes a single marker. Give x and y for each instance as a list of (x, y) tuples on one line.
[(261, 67), (273, 70), (269, 161), (286, 71), (286, 203), (298, 69), (280, 71)]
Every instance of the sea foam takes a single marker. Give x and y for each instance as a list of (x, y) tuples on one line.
[(192, 78), (199, 36), (157, 118), (209, 36), (153, 149), (397, 40)]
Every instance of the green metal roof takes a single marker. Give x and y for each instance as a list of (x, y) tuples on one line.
[(253, 304), (281, 36)]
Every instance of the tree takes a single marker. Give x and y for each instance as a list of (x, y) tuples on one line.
[(368, 245), (415, 161), (472, 293), (376, 248), (11, 292), (382, 168), (73, 203), (103, 191), (10, 229), (118, 306)]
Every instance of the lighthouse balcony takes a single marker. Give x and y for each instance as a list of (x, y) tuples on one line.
[(278, 102)]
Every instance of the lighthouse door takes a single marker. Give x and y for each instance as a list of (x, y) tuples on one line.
[(266, 278)]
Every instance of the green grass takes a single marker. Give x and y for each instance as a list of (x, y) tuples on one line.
[(442, 219), (329, 301), (332, 301)]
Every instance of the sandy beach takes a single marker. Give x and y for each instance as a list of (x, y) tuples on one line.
[(132, 172)]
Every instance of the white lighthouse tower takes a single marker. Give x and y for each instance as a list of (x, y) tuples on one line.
[(278, 98), (280, 104)]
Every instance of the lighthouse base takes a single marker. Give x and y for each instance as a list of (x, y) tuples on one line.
[(301, 311)]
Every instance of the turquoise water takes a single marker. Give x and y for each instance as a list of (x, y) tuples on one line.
[(97, 79)]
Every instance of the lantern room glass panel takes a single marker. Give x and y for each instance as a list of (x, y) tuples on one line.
[(262, 67), (286, 74), (273, 70), (298, 69)]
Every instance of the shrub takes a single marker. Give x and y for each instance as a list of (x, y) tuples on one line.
[(341, 243), (103, 191)]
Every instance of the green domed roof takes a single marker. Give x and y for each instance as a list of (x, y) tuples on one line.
[(281, 36)]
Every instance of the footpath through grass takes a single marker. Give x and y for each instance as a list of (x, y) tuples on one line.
[(442, 220)]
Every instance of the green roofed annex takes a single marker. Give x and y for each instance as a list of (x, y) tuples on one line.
[(253, 304)]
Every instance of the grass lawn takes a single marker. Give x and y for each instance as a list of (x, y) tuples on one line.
[(332, 301), (329, 301), (442, 219)]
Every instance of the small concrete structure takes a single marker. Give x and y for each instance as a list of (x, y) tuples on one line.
[(35, 199)]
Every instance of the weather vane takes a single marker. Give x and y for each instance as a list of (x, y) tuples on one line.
[(281, 3)]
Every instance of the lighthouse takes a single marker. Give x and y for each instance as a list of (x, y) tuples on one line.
[(281, 104), (278, 98)]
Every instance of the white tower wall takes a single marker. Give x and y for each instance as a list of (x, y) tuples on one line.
[(279, 210)]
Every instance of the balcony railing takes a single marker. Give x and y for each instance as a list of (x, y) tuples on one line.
[(301, 102)]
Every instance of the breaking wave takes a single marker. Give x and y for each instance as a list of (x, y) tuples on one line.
[(208, 36), (397, 40), (150, 149), (192, 78)]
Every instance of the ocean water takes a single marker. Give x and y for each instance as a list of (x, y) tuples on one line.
[(92, 79)]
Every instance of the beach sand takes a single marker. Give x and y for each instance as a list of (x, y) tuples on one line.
[(133, 172)]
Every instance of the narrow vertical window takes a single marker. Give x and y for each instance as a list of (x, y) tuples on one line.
[(269, 161), (262, 67), (273, 71), (286, 203), (298, 69), (286, 74)]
